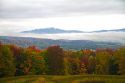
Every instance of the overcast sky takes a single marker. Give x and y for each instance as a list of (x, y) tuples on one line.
[(86, 15)]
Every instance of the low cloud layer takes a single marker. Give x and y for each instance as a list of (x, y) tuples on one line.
[(54, 8), (104, 36)]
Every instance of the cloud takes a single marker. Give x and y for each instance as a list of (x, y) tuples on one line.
[(55, 8)]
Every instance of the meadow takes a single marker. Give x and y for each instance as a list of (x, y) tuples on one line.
[(65, 79)]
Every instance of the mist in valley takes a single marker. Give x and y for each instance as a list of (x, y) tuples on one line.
[(118, 37)]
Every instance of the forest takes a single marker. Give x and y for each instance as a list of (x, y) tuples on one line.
[(54, 60)]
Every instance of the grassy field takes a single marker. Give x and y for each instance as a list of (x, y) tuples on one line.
[(65, 79)]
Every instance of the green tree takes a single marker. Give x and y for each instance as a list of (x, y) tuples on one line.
[(91, 64), (120, 55), (38, 64), (7, 66), (23, 62), (113, 66), (102, 62), (72, 60)]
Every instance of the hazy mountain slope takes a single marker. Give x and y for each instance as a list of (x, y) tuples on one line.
[(67, 44)]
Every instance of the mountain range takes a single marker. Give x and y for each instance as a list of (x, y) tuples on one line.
[(53, 30), (66, 44), (116, 30)]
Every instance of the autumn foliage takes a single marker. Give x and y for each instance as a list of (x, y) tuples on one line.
[(54, 60)]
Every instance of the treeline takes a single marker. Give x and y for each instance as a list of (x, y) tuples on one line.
[(54, 60)]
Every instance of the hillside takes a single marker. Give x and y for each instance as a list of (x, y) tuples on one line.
[(67, 44)]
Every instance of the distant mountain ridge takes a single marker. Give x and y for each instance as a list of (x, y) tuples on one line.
[(116, 30), (53, 30)]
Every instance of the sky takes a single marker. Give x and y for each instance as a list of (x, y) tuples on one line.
[(85, 15)]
